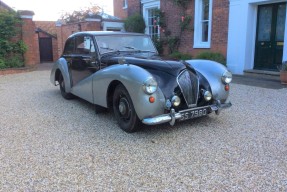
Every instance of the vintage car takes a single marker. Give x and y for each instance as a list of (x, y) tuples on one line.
[(123, 72)]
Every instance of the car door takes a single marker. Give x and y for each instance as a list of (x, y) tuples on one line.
[(84, 60)]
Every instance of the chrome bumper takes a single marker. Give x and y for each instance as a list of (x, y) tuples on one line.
[(173, 116)]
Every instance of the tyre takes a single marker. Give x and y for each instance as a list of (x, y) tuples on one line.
[(63, 90), (124, 110)]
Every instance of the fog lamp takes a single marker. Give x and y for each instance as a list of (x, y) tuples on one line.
[(175, 100)]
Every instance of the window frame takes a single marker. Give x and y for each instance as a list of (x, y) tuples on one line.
[(125, 4), (148, 5), (198, 43)]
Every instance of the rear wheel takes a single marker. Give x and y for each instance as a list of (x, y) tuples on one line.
[(63, 89), (124, 110)]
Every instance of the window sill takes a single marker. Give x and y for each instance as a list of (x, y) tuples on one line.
[(201, 46)]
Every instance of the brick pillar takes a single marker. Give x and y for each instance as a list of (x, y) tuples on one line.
[(60, 39), (30, 38)]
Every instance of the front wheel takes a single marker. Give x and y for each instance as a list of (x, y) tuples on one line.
[(63, 89), (124, 110)]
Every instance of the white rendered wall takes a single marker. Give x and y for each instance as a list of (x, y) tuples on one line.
[(242, 34)]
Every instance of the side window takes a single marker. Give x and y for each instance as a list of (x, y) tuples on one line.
[(69, 46), (84, 45)]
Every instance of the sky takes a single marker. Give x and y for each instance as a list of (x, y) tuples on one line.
[(51, 10)]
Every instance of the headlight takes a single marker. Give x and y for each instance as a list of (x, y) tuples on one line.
[(207, 95), (150, 86), (226, 77), (175, 100)]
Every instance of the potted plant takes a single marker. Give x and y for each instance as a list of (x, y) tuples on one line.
[(283, 72)]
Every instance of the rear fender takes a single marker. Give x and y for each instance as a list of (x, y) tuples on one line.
[(61, 65)]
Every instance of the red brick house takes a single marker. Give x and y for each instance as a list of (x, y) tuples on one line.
[(250, 33)]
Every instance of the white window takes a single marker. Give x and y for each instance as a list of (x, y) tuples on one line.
[(202, 23), (152, 22), (150, 8), (125, 4)]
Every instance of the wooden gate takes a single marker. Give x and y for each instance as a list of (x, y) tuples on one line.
[(46, 49)]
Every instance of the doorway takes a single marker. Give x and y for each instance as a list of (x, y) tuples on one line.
[(270, 36), (46, 49)]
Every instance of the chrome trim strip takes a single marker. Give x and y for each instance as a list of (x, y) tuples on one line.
[(196, 99)]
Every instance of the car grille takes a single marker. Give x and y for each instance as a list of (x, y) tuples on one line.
[(189, 86)]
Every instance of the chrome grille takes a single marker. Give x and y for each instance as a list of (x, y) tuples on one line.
[(189, 86)]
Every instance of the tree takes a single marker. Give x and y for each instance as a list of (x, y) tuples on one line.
[(81, 15)]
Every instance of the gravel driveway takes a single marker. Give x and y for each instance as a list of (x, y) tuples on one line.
[(51, 144)]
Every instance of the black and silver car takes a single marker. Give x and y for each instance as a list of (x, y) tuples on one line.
[(123, 72)]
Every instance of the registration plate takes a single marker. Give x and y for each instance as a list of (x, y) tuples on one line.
[(193, 113)]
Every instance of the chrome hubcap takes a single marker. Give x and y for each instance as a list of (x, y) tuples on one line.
[(124, 108)]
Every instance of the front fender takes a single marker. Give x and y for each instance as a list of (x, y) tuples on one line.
[(132, 77), (213, 72), (61, 65)]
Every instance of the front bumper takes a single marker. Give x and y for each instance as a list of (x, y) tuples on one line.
[(173, 116)]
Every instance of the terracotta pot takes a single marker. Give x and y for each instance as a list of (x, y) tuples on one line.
[(283, 77)]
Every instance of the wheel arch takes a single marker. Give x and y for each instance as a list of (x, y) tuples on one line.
[(110, 92)]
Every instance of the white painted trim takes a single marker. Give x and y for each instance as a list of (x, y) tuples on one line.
[(149, 4), (26, 16), (148, 1), (285, 41), (126, 4), (242, 34), (113, 25), (198, 27)]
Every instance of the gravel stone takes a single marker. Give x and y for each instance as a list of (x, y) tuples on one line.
[(48, 143)]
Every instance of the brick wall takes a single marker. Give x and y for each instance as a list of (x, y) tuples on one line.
[(219, 31), (134, 6), (30, 38), (64, 31), (118, 9), (173, 13)]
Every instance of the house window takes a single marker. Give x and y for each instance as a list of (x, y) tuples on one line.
[(152, 22), (202, 28), (150, 9), (125, 4)]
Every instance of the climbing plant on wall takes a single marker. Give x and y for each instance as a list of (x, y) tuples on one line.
[(11, 48), (170, 39)]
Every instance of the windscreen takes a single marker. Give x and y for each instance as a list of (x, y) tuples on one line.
[(111, 43)]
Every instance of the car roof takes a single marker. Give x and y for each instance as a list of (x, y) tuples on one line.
[(103, 33)]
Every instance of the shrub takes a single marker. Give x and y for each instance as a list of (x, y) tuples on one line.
[(11, 49), (218, 57), (14, 61), (135, 23), (2, 64), (180, 56), (158, 43)]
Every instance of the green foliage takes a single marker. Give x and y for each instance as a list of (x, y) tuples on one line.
[(2, 64), (14, 61), (180, 56), (173, 44), (185, 23), (218, 57), (81, 15), (135, 23), (181, 3), (10, 24), (283, 66), (158, 44), (11, 50)]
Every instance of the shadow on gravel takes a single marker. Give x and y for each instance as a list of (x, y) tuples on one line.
[(258, 82)]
